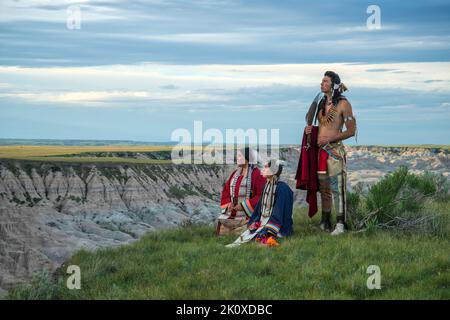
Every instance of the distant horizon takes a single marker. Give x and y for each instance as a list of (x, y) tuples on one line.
[(171, 143)]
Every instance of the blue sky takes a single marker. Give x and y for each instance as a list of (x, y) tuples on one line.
[(138, 70)]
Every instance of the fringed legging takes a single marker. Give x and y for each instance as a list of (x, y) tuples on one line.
[(334, 187)]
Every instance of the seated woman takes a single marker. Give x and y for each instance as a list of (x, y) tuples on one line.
[(272, 217), (240, 194)]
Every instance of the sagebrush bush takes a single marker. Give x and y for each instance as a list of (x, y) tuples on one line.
[(399, 200)]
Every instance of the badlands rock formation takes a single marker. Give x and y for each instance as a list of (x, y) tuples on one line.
[(50, 210)]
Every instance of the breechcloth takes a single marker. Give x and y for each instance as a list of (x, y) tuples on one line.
[(333, 182)]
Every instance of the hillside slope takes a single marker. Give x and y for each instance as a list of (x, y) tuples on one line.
[(189, 262)]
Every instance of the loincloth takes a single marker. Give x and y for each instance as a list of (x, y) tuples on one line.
[(332, 159)]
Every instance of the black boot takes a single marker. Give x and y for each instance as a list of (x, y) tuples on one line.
[(325, 222)]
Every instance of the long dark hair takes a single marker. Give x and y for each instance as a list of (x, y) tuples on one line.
[(337, 88)]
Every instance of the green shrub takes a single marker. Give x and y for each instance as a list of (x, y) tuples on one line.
[(182, 192), (399, 201), (41, 287)]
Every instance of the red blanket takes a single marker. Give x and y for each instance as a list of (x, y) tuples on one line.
[(306, 175)]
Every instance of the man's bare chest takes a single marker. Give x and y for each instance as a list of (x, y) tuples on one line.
[(330, 118)]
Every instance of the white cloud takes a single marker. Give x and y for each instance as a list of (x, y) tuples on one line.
[(74, 97), (218, 38), (399, 107), (223, 76), (90, 98), (429, 42), (197, 83), (56, 11)]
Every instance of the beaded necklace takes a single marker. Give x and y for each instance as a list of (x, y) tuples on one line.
[(326, 118)]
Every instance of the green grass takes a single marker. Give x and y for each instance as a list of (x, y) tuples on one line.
[(191, 263), (86, 154), (55, 153)]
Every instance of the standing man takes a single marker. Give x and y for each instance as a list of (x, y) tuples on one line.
[(333, 111)]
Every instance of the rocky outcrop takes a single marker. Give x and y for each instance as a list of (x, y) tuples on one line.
[(49, 210), (369, 163)]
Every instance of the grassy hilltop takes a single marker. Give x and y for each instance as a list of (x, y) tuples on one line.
[(191, 263)]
